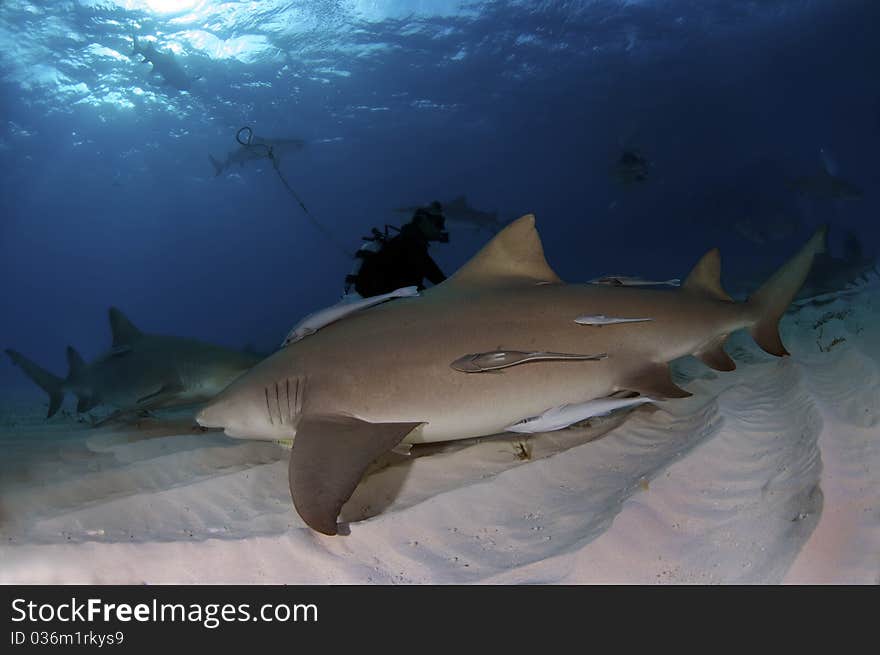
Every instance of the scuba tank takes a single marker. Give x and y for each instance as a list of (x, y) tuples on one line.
[(370, 247)]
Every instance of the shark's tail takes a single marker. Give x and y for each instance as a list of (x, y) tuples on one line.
[(218, 167), (51, 384), (135, 46), (769, 303)]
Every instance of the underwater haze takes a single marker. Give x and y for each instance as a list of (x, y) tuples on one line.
[(109, 196)]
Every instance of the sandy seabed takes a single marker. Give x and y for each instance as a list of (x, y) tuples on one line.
[(768, 474)]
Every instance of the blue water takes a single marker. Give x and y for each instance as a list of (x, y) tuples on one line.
[(108, 196)]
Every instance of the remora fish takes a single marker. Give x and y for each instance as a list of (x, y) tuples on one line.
[(561, 417), (381, 377), (601, 319), (498, 359), (348, 305), (633, 281), (141, 371)]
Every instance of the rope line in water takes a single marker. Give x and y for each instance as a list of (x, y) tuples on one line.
[(248, 143)]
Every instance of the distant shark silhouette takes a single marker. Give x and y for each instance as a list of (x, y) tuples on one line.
[(164, 64), (141, 371), (459, 211), (830, 274), (827, 184), (259, 149)]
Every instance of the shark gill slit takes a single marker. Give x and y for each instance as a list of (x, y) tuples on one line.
[(287, 393), (268, 408), (278, 404)]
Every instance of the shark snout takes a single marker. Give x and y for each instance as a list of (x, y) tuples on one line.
[(248, 411)]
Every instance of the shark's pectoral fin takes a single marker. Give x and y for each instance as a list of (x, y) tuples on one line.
[(714, 356), (655, 381), (330, 455), (167, 389)]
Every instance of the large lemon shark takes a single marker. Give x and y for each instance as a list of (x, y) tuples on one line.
[(380, 377)]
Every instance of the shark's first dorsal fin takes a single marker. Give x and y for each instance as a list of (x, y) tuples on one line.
[(513, 254), (124, 331), (705, 278)]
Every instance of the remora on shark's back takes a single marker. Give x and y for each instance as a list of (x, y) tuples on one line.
[(141, 371), (381, 377)]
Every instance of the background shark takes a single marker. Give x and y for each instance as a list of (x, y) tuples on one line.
[(259, 149), (827, 184), (141, 371), (164, 64), (459, 211), (361, 386)]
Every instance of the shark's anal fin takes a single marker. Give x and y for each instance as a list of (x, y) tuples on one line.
[(655, 381), (330, 455), (714, 356)]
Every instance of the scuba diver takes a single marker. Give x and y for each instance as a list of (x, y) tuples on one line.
[(389, 263), (632, 167)]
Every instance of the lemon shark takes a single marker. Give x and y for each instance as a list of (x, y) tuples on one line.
[(383, 377), (163, 64), (141, 371), (259, 148), (459, 211)]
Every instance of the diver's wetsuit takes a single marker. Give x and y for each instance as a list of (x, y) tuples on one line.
[(403, 262)]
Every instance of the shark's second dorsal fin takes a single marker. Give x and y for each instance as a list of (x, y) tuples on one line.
[(124, 331), (514, 254), (75, 363), (705, 277)]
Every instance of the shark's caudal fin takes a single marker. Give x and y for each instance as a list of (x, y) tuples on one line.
[(770, 301), (218, 167), (49, 383)]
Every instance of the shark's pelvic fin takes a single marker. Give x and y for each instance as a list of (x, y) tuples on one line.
[(330, 455), (76, 364), (655, 381), (85, 403), (167, 389), (49, 383), (714, 356), (124, 331), (770, 301), (514, 254), (705, 277)]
